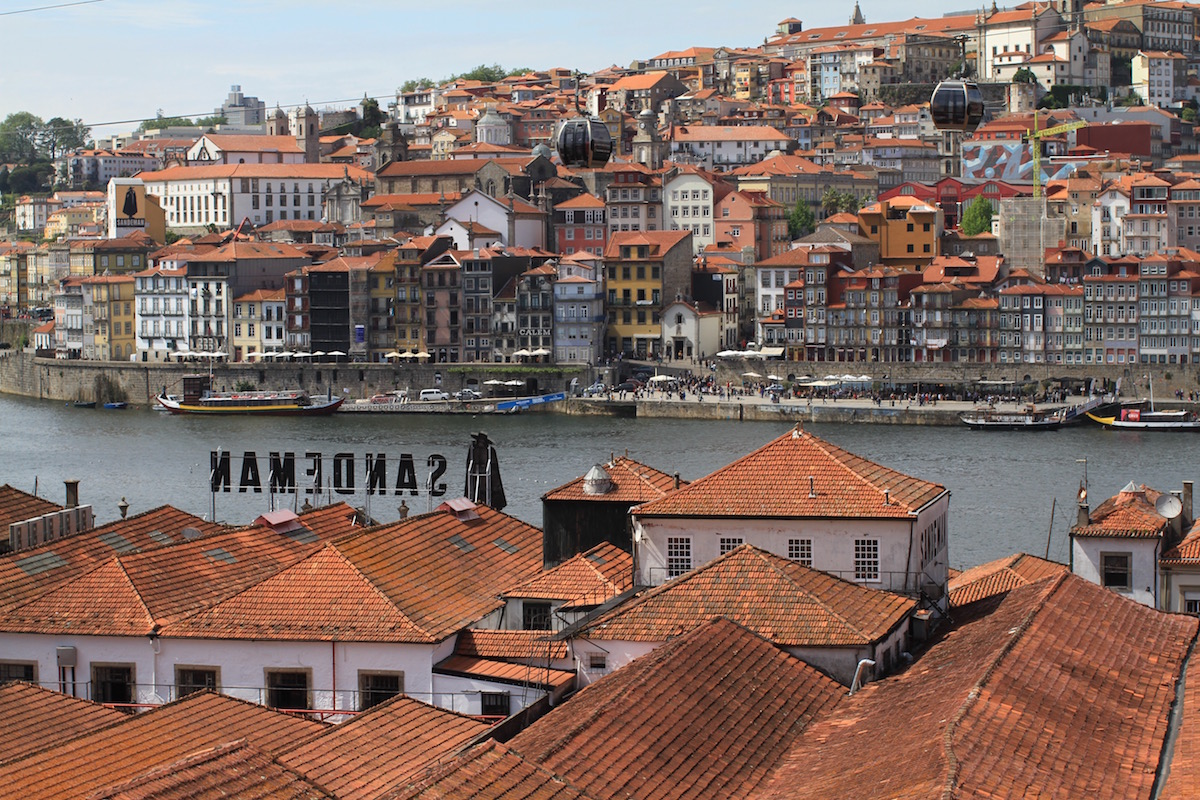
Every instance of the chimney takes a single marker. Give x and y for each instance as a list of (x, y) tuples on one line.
[(676, 486), (1081, 518), (72, 493), (1187, 503)]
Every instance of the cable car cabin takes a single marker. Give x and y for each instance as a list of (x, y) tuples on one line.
[(584, 142), (956, 105)]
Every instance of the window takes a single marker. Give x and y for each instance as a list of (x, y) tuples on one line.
[(288, 689), (1115, 572), (535, 616), (866, 559), (730, 543), (597, 662), (189, 680), (18, 671), (112, 683), (679, 555), (800, 550), (375, 687), (1191, 603), (494, 704)]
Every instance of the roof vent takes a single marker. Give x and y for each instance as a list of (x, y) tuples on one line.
[(282, 521), (190, 533), (812, 488), (597, 481), (462, 509)]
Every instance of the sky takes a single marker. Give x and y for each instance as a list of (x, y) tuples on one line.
[(112, 63)]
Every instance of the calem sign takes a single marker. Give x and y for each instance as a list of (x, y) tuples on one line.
[(338, 473)]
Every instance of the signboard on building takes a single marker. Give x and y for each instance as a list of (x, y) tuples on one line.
[(126, 206)]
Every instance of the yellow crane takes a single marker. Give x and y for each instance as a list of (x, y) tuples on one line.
[(1034, 137)]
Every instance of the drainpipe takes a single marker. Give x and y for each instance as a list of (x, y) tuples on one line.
[(856, 684), (333, 669)]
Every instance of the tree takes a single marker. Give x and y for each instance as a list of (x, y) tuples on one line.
[(1132, 99), (160, 121), (801, 221), (831, 201), (19, 135), (30, 178), (3, 179), (60, 135), (212, 122), (415, 84), (1188, 114), (977, 218), (1024, 75)]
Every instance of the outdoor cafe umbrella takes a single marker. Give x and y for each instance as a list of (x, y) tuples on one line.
[(318, 353), (541, 351), (493, 382), (422, 354), (392, 354), (751, 375), (335, 353), (774, 378), (521, 353), (661, 378)]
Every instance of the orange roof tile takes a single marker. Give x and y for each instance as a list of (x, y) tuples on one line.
[(999, 577), (632, 482), (1129, 514), (509, 645), (717, 743), (780, 600), (1184, 776), (36, 718), (540, 677), (490, 771), (103, 758), (234, 770), (584, 580), (1013, 703), (18, 506), (382, 747), (809, 478)]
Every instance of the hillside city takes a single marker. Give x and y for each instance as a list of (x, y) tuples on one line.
[(794, 197), (785, 627)]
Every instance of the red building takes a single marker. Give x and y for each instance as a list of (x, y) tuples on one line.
[(953, 196), (580, 225)]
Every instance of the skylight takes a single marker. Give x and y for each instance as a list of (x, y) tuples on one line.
[(42, 562), (118, 542), (461, 543), (222, 555), (505, 546)]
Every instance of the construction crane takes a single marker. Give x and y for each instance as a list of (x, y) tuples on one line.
[(1034, 137)]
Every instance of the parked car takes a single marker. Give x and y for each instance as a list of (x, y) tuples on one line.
[(628, 386), (595, 388), (467, 394), (775, 387), (434, 394)]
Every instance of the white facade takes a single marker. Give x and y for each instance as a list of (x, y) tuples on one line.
[(1108, 215), (160, 313), (491, 213), (688, 332), (725, 146), (900, 555), (1155, 78), (1125, 565), (689, 207)]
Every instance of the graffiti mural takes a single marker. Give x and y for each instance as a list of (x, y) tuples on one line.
[(1009, 161)]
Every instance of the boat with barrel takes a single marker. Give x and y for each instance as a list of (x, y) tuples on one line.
[(1135, 417), (198, 398), (1029, 418)]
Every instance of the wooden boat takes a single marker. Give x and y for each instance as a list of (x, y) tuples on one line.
[(199, 399), (85, 404), (1027, 419), (1140, 419), (1137, 419), (116, 404)]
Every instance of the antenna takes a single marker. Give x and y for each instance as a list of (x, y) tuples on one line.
[(1168, 506)]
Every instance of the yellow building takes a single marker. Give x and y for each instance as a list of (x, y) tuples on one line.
[(258, 323), (108, 317), (907, 230), (67, 221), (645, 270)]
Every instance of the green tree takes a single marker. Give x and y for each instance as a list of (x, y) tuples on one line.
[(801, 221), (160, 121), (1024, 75), (415, 84), (977, 218), (30, 177), (3, 179), (60, 135), (1188, 114), (19, 135), (212, 122), (1132, 99), (831, 201)]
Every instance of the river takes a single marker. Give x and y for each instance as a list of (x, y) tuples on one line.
[(1002, 484)]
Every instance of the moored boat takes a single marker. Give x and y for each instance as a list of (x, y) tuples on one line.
[(199, 399), (1142, 420), (1028, 419)]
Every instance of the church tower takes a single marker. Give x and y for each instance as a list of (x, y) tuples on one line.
[(277, 123), (857, 17), (308, 134), (648, 147)]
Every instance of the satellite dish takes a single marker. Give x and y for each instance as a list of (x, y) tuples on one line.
[(190, 533), (1169, 506)]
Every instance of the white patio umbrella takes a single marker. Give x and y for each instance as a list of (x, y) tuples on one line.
[(774, 378), (392, 354), (335, 353), (253, 354), (423, 354), (514, 383), (541, 351), (729, 354), (521, 353), (661, 378), (284, 354), (493, 382), (302, 354), (751, 375), (318, 352), (407, 354)]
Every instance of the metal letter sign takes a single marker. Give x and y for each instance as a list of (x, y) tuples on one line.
[(343, 472)]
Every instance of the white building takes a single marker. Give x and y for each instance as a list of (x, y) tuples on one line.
[(690, 197), (726, 146), (804, 499), (160, 312), (1160, 78), (225, 194), (691, 330), (515, 222)]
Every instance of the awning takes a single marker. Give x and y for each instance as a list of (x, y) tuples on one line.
[(771, 352)]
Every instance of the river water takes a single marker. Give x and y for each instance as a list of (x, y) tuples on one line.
[(1002, 484)]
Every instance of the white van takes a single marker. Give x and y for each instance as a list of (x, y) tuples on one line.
[(433, 394)]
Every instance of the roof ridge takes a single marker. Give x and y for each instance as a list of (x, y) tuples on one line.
[(375, 588), (776, 566), (1017, 633)]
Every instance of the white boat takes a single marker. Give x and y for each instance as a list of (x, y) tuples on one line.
[(1139, 419)]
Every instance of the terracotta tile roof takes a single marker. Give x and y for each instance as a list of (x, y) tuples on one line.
[(255, 144), (584, 580), (25, 574), (18, 506), (509, 645), (1000, 576), (142, 591), (1187, 551), (490, 771), (412, 581), (382, 747), (780, 600), (842, 485), (717, 743), (1018, 702), (36, 718), (1184, 776), (1129, 514), (486, 669), (108, 756), (234, 770), (632, 482), (299, 172)]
